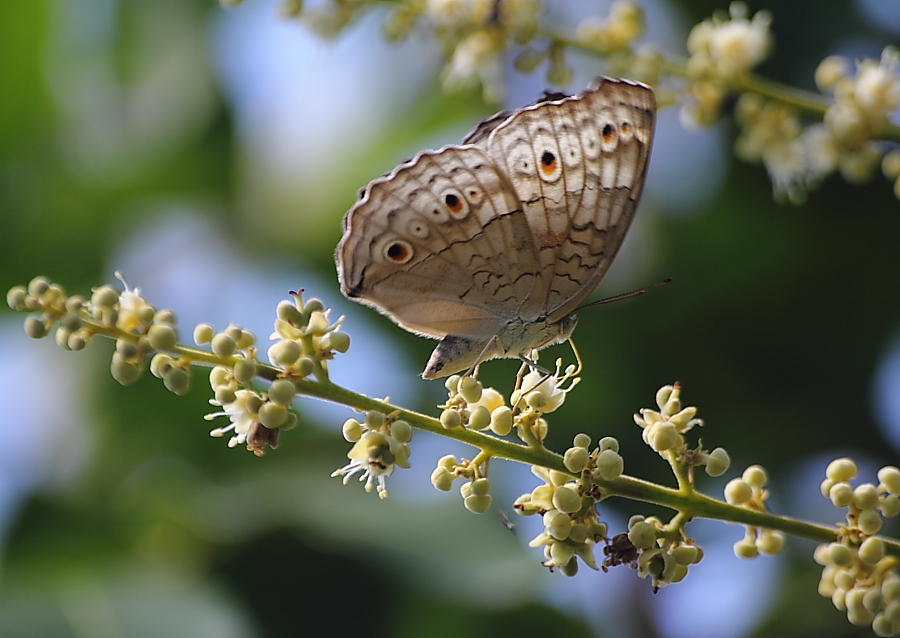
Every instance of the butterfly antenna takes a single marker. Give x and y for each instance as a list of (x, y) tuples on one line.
[(626, 295)]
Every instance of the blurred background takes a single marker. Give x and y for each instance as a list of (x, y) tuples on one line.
[(209, 154)]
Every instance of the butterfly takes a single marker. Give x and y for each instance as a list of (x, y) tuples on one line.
[(490, 245)]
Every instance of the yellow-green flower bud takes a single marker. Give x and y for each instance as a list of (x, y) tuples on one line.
[(566, 500), (608, 443), (39, 285), (871, 550), (313, 305), (687, 554), (869, 522), (841, 494), (162, 337), (582, 440), (873, 601), (865, 496), (718, 462), (542, 497), (289, 422), (501, 420), (15, 297), (477, 504), (177, 380), (610, 465), (755, 476), (830, 70), (562, 553), (245, 371), (234, 331), (282, 392), (480, 418), (76, 342), (305, 366), (124, 371), (576, 459), (164, 316), (62, 337), (770, 542), (890, 589), (74, 304), (219, 376), (288, 311), (159, 364), (642, 535), (535, 400), (401, 431), (661, 436), (352, 430), (825, 487), (225, 395), (745, 549), (284, 353), (447, 462), (35, 328), (842, 469), (442, 479), (557, 524), (374, 420), (246, 340), (839, 554), (738, 491), (451, 419), (452, 383), (126, 349), (71, 322), (890, 478), (272, 414), (203, 333), (223, 345), (889, 505), (339, 341), (470, 389), (481, 486)]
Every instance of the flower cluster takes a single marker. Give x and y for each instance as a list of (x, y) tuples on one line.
[(572, 526), (664, 430), (304, 341), (664, 554), (858, 575), (380, 443), (748, 491), (138, 328)]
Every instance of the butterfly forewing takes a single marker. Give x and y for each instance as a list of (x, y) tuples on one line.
[(578, 166)]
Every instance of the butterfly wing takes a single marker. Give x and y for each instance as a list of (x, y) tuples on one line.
[(577, 164), (441, 245)]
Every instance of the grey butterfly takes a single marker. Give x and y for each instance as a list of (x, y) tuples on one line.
[(490, 245)]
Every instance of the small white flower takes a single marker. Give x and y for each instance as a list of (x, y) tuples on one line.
[(877, 87), (551, 388), (133, 309), (477, 58), (242, 416), (375, 455)]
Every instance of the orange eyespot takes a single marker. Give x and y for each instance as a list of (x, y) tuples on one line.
[(548, 162), (398, 252), (454, 203), (609, 133)]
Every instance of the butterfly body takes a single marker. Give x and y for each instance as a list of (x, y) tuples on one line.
[(491, 244)]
